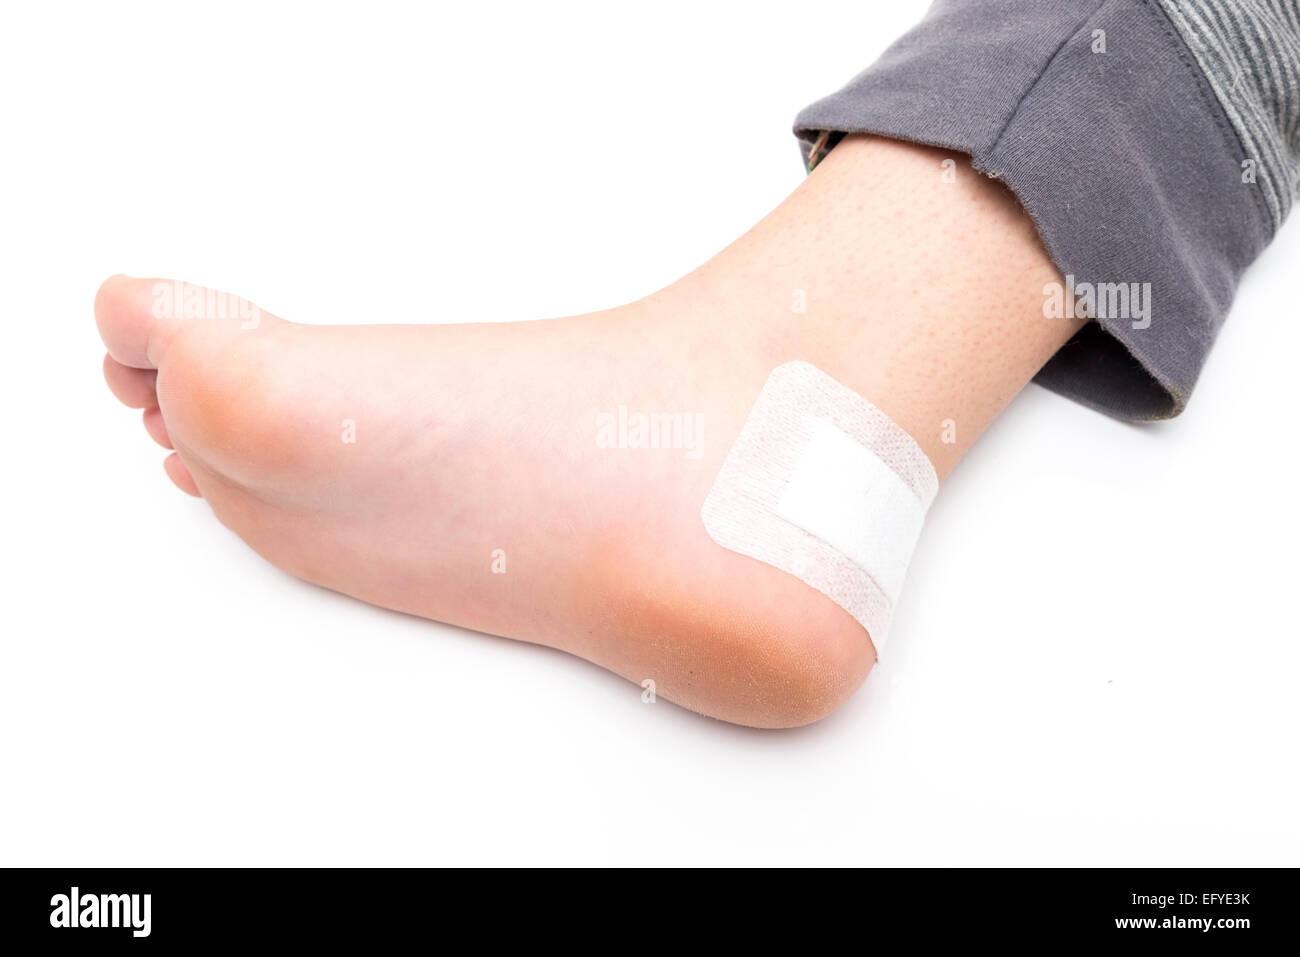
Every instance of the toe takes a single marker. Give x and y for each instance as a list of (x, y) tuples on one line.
[(135, 388), (157, 429), (180, 475), (137, 317), (125, 315)]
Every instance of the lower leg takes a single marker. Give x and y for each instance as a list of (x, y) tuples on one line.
[(922, 292), (477, 449)]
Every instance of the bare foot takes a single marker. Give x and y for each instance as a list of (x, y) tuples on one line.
[(490, 475)]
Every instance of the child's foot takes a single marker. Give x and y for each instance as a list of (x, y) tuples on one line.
[(487, 475), (457, 472)]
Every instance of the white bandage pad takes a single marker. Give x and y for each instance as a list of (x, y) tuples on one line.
[(825, 486)]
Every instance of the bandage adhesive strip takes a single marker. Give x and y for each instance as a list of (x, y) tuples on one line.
[(823, 485)]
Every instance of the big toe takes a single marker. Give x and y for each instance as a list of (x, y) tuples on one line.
[(124, 312), (137, 316)]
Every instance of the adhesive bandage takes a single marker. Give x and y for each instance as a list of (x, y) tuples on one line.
[(825, 486)]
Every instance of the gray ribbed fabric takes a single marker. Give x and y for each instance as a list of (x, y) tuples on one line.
[(1250, 52), (1100, 117)]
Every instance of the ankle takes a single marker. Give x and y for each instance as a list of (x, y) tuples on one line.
[(924, 295)]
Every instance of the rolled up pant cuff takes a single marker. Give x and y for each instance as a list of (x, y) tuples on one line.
[(1098, 118)]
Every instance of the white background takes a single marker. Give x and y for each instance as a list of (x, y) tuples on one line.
[(1096, 658)]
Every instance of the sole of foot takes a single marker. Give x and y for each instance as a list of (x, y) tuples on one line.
[(468, 474)]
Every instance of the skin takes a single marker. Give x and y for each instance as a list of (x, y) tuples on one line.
[(924, 296)]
